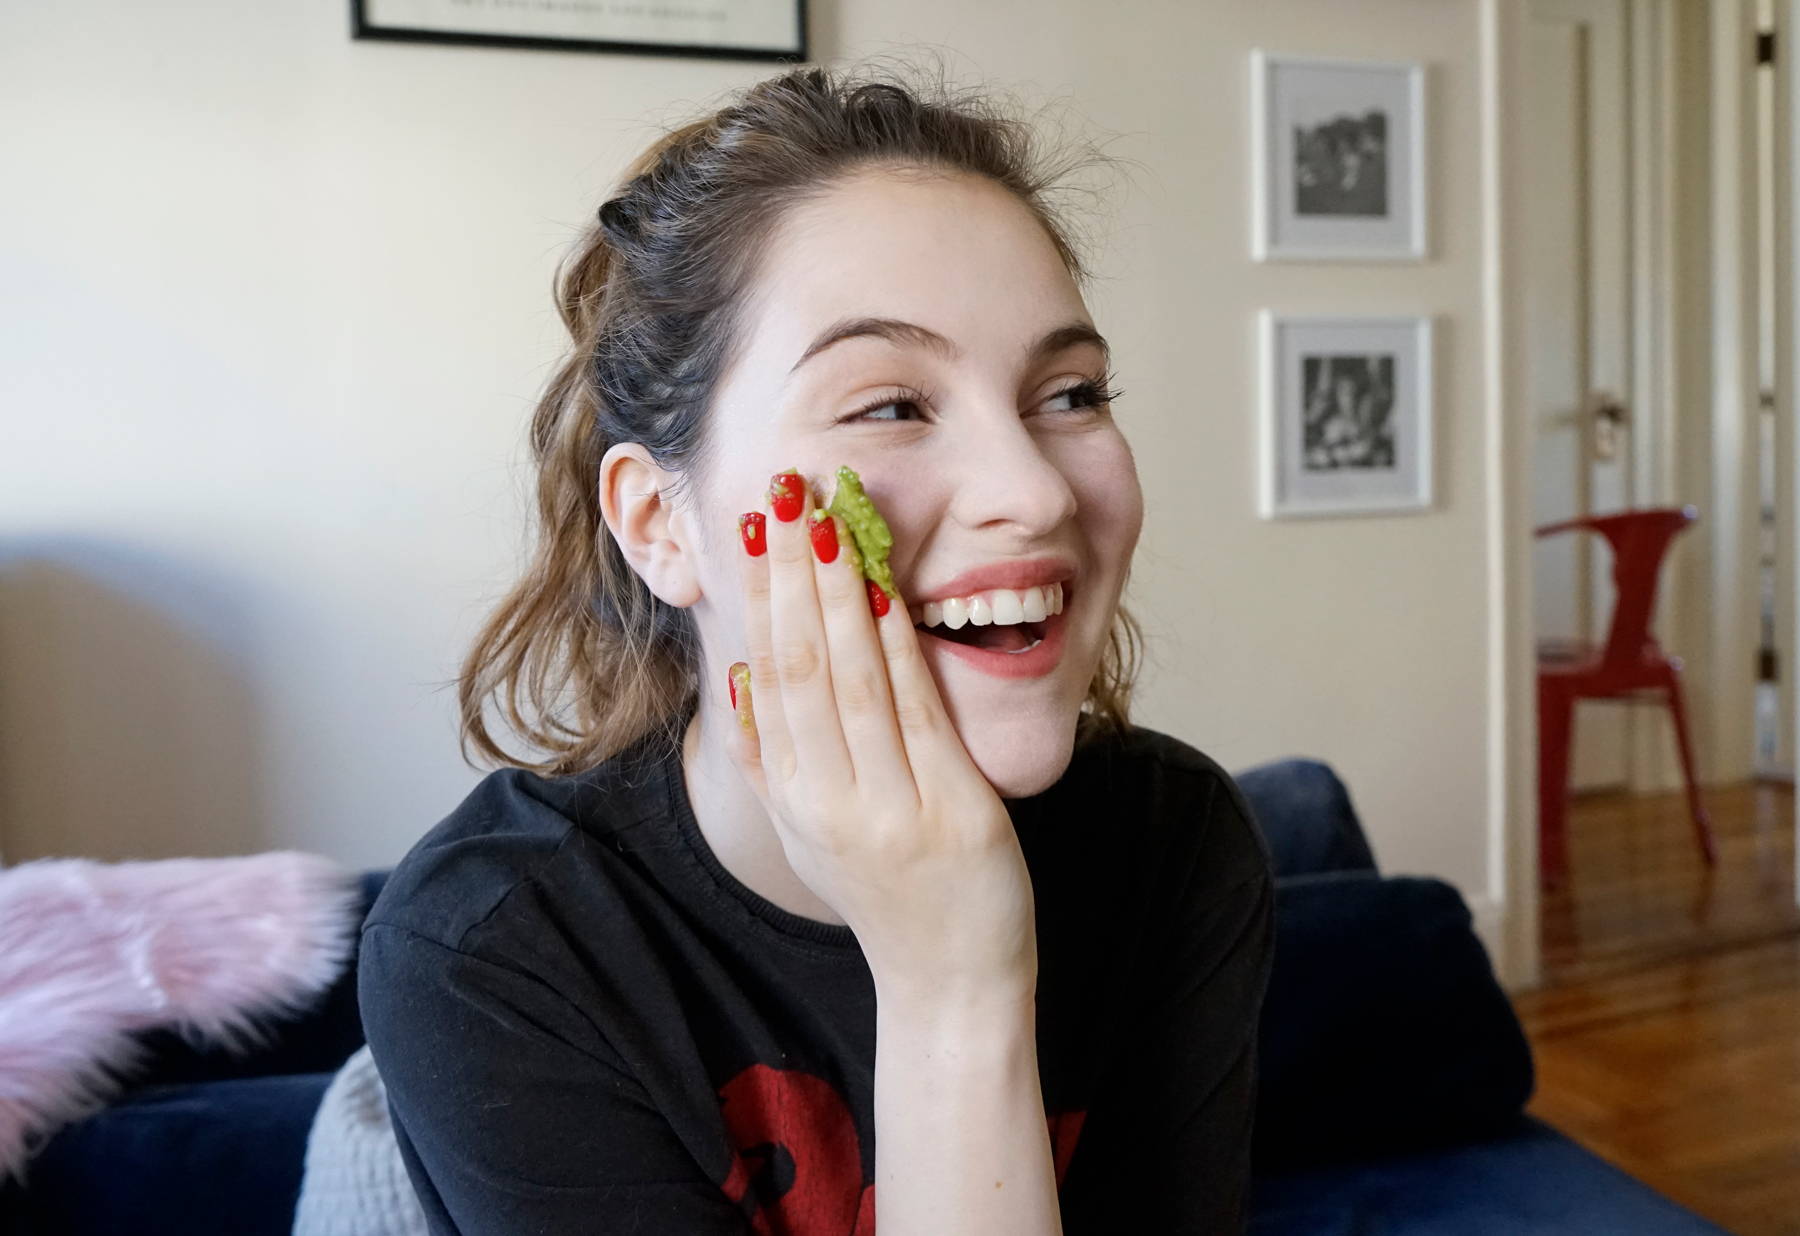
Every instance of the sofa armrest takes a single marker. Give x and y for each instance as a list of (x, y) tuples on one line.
[(1384, 1027)]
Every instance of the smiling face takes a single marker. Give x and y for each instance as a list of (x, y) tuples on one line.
[(971, 418)]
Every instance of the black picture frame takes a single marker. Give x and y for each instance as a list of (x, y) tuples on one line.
[(361, 27)]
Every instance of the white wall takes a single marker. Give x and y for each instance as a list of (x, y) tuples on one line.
[(277, 307)]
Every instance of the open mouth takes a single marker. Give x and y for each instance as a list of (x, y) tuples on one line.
[(1021, 637), (1000, 620)]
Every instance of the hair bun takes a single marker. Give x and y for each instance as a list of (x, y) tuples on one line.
[(618, 221)]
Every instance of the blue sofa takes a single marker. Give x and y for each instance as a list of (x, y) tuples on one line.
[(1394, 1074), (1394, 1070)]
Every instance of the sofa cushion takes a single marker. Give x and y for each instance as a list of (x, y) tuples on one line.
[(1384, 1027), (1305, 814), (222, 1156), (1526, 1180)]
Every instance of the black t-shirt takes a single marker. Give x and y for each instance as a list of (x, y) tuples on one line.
[(587, 1025)]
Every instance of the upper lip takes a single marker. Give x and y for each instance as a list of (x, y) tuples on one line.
[(1015, 574)]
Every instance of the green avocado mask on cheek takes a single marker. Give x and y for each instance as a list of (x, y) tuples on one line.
[(868, 530)]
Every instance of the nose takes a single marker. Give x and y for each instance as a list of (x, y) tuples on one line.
[(1006, 482)]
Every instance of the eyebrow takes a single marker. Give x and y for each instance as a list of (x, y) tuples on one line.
[(903, 334)]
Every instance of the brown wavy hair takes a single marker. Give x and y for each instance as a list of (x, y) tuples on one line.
[(580, 656)]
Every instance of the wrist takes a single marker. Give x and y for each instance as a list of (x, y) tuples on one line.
[(1008, 983), (954, 1004), (938, 1045)]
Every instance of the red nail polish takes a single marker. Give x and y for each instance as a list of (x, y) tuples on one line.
[(878, 600), (787, 494), (824, 538), (750, 527), (739, 677)]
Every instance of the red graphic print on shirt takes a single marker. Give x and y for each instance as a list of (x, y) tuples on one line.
[(798, 1153)]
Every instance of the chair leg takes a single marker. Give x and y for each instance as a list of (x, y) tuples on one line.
[(1556, 714), (1696, 809)]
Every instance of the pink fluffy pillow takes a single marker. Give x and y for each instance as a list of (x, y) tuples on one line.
[(92, 952)]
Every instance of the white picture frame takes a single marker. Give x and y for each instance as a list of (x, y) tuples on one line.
[(1338, 159), (713, 29), (1346, 415)]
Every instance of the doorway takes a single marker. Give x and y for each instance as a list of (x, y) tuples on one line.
[(1641, 275)]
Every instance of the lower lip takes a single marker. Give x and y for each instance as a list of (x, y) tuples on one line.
[(1034, 662)]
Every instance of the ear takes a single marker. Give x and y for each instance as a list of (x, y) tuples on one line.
[(645, 524)]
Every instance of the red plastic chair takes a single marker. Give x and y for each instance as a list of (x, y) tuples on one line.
[(1631, 664)]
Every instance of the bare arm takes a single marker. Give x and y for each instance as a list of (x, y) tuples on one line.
[(961, 1141), (882, 812)]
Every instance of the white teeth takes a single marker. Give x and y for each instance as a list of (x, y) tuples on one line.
[(1008, 608), (994, 606)]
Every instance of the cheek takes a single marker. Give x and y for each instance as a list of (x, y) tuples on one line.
[(909, 488), (1110, 502), (719, 548)]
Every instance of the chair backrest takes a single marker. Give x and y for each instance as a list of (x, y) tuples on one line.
[(1640, 542)]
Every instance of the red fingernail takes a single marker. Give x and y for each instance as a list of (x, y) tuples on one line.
[(750, 527), (878, 600), (731, 681), (824, 537), (787, 494)]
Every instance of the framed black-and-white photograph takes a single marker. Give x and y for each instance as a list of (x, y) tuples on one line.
[(717, 29), (1339, 159), (1346, 415)]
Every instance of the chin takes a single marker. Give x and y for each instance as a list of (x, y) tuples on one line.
[(1022, 756), (1021, 735)]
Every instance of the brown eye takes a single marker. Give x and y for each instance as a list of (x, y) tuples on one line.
[(1086, 395), (908, 400)]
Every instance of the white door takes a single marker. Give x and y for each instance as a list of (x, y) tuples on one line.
[(1579, 329)]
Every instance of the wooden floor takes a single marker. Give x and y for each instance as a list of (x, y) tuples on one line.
[(1667, 1033)]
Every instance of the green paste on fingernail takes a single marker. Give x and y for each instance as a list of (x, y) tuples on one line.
[(740, 678), (868, 530)]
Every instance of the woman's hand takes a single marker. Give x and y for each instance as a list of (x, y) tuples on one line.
[(879, 807)]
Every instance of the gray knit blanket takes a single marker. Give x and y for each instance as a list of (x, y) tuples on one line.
[(355, 1183)]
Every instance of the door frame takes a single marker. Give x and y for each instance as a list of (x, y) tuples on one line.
[(1511, 756), (1729, 623), (1787, 339), (1652, 68)]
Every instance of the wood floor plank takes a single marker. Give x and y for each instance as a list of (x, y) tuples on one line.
[(1667, 1032)]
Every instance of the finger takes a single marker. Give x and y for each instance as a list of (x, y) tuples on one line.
[(918, 709), (797, 638), (741, 741), (775, 753), (859, 678)]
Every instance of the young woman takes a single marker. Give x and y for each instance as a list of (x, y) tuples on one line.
[(917, 924)]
